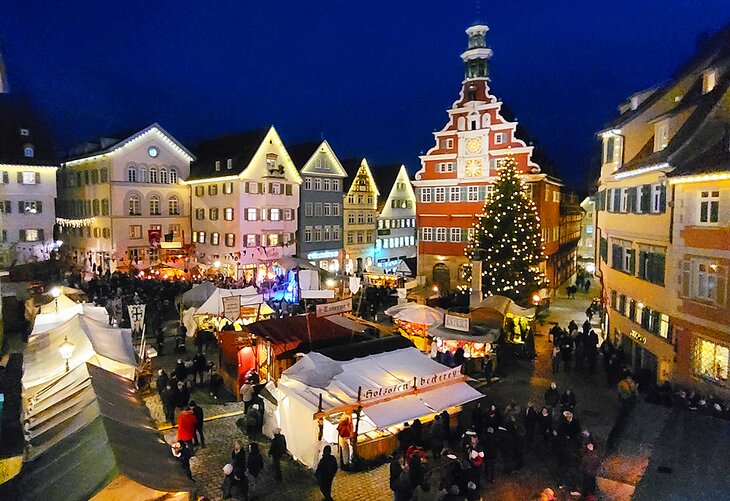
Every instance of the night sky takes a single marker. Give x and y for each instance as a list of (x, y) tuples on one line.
[(374, 77)]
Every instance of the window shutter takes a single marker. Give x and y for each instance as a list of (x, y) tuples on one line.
[(616, 256), (37, 178), (271, 187), (246, 185), (659, 266), (602, 200), (261, 189), (288, 189), (662, 198), (39, 207), (8, 207), (616, 200), (642, 265), (20, 179), (6, 179), (21, 235), (263, 214), (40, 235)]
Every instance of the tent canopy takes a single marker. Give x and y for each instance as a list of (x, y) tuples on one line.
[(198, 295), (116, 438), (416, 314), (93, 341), (214, 304)]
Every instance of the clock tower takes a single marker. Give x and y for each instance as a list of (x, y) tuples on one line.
[(457, 173)]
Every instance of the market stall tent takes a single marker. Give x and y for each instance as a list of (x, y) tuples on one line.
[(214, 304), (89, 436), (55, 313), (97, 343), (198, 295), (390, 384)]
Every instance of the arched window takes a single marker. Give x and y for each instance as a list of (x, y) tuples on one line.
[(28, 151), (163, 175), (173, 206), (154, 205), (173, 175), (153, 174), (134, 206), (132, 174), (142, 174)]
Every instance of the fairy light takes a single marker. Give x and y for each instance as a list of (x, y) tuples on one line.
[(507, 237), (75, 223)]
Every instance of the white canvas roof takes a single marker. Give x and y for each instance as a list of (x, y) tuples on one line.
[(50, 316), (198, 295), (94, 342), (214, 304)]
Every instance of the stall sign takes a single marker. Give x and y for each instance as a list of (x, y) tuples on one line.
[(406, 386), (440, 377), (327, 309), (637, 337), (232, 307), (387, 391), (354, 284), (456, 323), (325, 254)]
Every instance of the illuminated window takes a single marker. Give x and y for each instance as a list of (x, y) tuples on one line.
[(173, 175), (134, 205), (173, 206), (709, 207), (153, 174), (28, 151), (163, 175), (215, 238), (228, 213), (710, 361), (135, 232), (661, 135), (228, 187), (230, 239), (709, 80)]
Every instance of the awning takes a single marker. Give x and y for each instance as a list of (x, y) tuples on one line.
[(347, 323), (444, 397), (449, 334), (521, 312), (397, 411), (292, 263)]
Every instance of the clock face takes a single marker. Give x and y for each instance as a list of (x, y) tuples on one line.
[(473, 168), (152, 151), (474, 145)]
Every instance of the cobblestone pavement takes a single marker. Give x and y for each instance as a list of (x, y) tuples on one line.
[(523, 381)]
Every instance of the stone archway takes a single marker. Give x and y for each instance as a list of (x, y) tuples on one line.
[(441, 276)]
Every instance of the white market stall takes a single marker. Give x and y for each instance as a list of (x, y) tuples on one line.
[(55, 313), (392, 382), (93, 342), (211, 313)]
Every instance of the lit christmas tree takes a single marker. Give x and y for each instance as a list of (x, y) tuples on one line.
[(507, 239)]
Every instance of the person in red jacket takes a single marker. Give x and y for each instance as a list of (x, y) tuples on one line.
[(186, 423)]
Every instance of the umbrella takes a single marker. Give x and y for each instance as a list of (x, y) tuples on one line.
[(419, 314)]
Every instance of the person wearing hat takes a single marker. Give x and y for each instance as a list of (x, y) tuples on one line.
[(325, 472), (277, 449), (475, 456)]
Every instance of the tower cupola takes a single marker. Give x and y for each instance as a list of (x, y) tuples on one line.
[(476, 56)]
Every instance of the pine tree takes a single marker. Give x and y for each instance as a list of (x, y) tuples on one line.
[(507, 239)]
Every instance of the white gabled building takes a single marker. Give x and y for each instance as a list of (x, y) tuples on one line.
[(122, 202), (396, 237), (245, 196), (27, 183)]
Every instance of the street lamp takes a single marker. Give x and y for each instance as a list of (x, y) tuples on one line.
[(67, 350), (56, 292)]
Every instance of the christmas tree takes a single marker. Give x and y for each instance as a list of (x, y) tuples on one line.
[(507, 239)]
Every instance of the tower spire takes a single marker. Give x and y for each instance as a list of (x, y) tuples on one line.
[(477, 54)]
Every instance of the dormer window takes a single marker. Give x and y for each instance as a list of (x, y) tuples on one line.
[(217, 165), (709, 80), (661, 135), (24, 132), (229, 164), (271, 162), (28, 151)]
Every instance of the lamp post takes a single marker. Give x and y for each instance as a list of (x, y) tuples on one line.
[(67, 350), (56, 292)]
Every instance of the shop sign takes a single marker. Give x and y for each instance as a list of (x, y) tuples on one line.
[(639, 338), (232, 307), (404, 387), (325, 254), (456, 322), (336, 308)]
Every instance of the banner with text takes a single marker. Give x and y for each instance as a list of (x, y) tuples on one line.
[(327, 309), (456, 322), (232, 307), (406, 386)]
